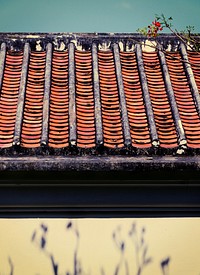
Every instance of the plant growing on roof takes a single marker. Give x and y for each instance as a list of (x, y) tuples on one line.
[(161, 22), (152, 30)]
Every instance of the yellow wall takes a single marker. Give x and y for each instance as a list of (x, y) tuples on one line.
[(178, 239)]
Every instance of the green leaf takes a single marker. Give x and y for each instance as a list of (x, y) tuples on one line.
[(142, 31), (157, 17)]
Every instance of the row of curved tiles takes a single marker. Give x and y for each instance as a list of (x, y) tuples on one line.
[(159, 100), (33, 108), (58, 134), (9, 97), (138, 121), (59, 102), (85, 117), (185, 102), (111, 116)]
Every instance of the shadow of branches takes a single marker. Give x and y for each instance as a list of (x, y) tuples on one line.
[(141, 248), (135, 236), (42, 241), (165, 266), (11, 266)]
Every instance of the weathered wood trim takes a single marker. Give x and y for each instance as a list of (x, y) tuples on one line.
[(54, 200)]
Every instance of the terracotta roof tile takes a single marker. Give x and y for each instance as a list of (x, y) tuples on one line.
[(111, 117), (59, 101), (33, 107), (184, 99), (98, 96), (134, 99), (85, 117), (194, 59), (160, 103), (9, 96)]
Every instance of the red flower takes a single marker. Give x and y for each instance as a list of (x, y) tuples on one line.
[(154, 28), (157, 24)]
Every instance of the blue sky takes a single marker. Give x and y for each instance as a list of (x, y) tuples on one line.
[(93, 16)]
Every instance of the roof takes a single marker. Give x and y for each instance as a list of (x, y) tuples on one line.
[(97, 94), (97, 125)]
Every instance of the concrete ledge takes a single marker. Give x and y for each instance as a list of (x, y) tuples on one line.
[(93, 163)]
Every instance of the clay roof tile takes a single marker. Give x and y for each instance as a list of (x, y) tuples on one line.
[(95, 99)]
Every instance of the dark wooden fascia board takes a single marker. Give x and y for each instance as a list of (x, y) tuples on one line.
[(99, 187)]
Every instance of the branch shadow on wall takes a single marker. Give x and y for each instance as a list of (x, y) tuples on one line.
[(135, 235)]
